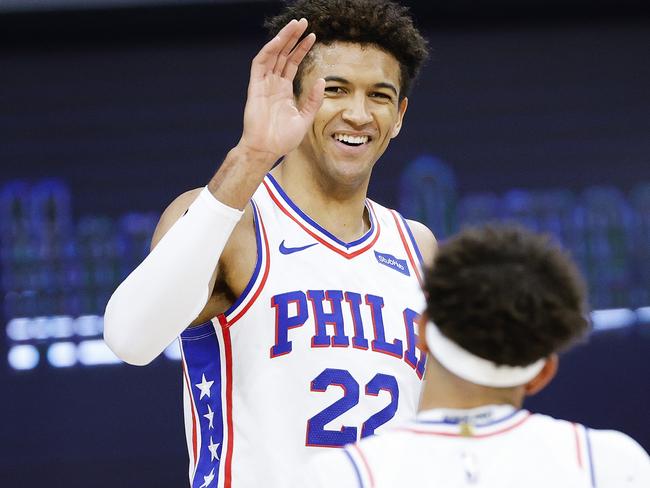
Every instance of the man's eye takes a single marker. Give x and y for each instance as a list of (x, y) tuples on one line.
[(381, 95), (334, 90)]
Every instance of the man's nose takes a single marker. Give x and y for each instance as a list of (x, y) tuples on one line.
[(357, 113)]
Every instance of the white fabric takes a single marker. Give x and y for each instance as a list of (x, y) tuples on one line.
[(168, 290), (269, 394), (475, 369), (521, 449)]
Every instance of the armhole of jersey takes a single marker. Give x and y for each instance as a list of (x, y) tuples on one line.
[(409, 243), (583, 451), (413, 241), (355, 467), (258, 278), (361, 466), (590, 458)]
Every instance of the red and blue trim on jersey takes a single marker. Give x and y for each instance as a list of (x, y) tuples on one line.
[(360, 464), (583, 451), (258, 278), (410, 244), (348, 250)]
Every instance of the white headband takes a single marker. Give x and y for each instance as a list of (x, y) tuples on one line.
[(475, 369)]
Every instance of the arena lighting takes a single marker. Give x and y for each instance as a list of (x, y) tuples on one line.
[(22, 329), (84, 346), (23, 357), (62, 354), (95, 353), (614, 318), (643, 315), (89, 325)]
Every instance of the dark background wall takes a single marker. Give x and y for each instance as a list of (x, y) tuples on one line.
[(132, 107)]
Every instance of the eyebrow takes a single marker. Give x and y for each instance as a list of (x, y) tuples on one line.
[(338, 79)]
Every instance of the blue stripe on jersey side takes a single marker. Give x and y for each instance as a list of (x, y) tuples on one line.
[(258, 263), (201, 350), (311, 222), (591, 459), (198, 331), (356, 468), (413, 241)]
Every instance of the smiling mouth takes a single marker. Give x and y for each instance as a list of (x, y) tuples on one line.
[(353, 141)]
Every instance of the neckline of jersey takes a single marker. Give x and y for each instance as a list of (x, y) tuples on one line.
[(484, 416), (347, 247)]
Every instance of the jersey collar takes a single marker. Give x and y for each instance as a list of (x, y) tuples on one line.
[(291, 210)]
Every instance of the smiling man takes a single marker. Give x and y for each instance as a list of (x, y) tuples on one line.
[(295, 296)]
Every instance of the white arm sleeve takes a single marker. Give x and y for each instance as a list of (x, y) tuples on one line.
[(163, 295)]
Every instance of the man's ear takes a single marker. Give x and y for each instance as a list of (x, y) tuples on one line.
[(401, 110), (544, 377), (422, 328)]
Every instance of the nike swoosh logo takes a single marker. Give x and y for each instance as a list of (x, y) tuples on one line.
[(291, 250)]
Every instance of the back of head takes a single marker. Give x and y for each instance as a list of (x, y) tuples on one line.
[(380, 23), (506, 295)]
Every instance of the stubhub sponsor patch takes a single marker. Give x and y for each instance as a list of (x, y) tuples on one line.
[(393, 262)]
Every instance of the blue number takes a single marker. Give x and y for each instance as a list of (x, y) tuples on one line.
[(316, 433), (378, 383)]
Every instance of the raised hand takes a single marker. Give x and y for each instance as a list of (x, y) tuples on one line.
[(273, 123)]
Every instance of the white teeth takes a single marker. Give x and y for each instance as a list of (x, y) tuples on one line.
[(351, 139)]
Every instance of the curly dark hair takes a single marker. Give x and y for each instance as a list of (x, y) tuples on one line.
[(506, 294), (380, 23)]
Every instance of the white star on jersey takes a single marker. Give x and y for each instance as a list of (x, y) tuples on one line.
[(207, 479), (210, 416), (213, 450), (204, 386)]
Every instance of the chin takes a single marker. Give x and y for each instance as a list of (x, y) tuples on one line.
[(349, 173)]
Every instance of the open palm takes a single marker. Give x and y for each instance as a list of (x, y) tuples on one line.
[(273, 123)]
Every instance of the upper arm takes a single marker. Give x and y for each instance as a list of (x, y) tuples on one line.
[(237, 260), (172, 213), (425, 240)]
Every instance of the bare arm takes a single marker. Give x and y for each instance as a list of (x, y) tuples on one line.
[(198, 234)]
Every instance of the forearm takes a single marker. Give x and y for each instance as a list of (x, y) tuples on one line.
[(239, 176)]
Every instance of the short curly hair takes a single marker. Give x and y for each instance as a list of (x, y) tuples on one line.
[(380, 23), (506, 294)]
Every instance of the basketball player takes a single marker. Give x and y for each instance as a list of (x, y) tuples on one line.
[(300, 294), (501, 303)]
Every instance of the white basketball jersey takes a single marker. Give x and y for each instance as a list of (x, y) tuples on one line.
[(490, 447), (319, 351)]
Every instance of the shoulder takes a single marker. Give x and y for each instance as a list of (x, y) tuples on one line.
[(618, 460), (173, 212), (425, 240), (177, 208), (617, 443)]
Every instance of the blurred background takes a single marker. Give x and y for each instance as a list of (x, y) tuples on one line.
[(531, 111)]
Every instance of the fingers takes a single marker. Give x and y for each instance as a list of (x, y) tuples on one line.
[(314, 100), (289, 46), (286, 39), (297, 55)]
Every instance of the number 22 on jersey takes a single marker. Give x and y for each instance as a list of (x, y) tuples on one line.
[(317, 435)]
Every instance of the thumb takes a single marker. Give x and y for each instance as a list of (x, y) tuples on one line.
[(314, 100)]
